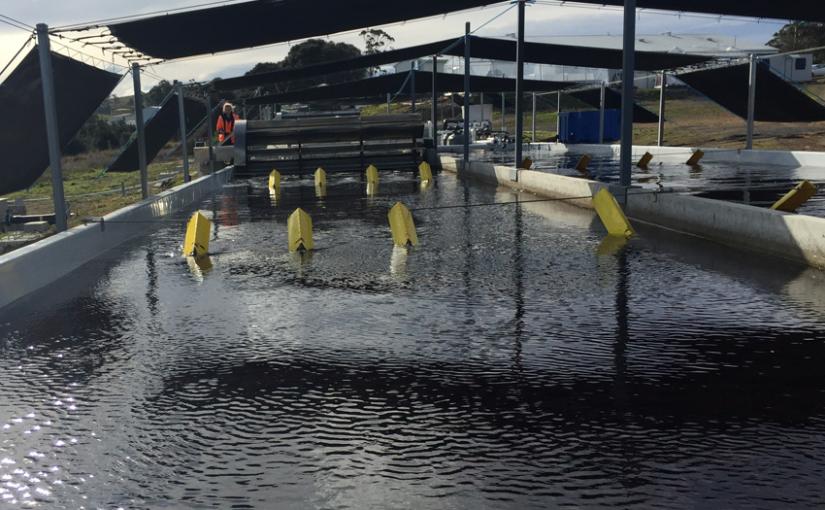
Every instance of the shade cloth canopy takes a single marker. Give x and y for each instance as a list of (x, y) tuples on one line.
[(480, 47), (613, 101), (776, 99), (392, 83), (80, 89), (260, 22), (159, 130)]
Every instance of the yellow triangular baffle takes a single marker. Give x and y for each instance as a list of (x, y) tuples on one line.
[(584, 161), (275, 181), (402, 226), (645, 161), (796, 197), (196, 241), (372, 174), (320, 177), (611, 214), (425, 171), (299, 229), (695, 158)]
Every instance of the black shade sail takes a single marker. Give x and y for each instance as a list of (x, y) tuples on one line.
[(776, 99), (392, 83), (480, 47), (256, 23), (159, 130), (80, 89), (613, 101)]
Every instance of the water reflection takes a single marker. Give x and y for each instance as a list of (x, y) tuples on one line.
[(494, 366)]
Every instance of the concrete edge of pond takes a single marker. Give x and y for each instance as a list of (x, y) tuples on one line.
[(794, 237), (668, 154), (32, 267)]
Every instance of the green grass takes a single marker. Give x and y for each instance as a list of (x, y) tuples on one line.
[(83, 175)]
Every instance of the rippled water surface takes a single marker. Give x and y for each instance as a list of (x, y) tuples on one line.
[(513, 360)]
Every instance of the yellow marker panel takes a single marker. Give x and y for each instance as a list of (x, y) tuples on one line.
[(646, 159), (425, 171), (584, 161), (275, 181), (299, 230), (372, 189), (694, 158), (372, 174), (526, 164), (611, 214), (796, 197), (196, 241), (320, 177), (402, 226)]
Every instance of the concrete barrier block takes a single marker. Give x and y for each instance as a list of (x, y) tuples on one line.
[(19, 207), (36, 226)]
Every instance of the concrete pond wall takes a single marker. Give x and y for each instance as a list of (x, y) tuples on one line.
[(794, 237), (670, 154), (34, 266)]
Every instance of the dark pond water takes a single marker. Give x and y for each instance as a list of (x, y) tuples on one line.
[(510, 361), (758, 185)]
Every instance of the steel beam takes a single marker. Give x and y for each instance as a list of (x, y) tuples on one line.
[(520, 84), (628, 73), (434, 111), (182, 127), (660, 136), (503, 111), (466, 94), (412, 85), (52, 131), (558, 114), (751, 102), (140, 127), (210, 122), (601, 112)]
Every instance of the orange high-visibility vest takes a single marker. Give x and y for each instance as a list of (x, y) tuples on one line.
[(226, 128)]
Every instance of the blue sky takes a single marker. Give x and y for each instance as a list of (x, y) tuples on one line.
[(543, 20)]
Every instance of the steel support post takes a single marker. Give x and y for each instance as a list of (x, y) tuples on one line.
[(534, 118), (660, 136), (182, 127), (52, 132), (466, 94), (412, 85), (602, 93), (389, 98), (140, 127), (434, 110), (503, 111), (751, 102), (210, 122), (628, 73), (558, 114), (520, 84)]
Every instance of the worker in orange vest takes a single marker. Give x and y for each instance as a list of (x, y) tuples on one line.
[(226, 125)]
